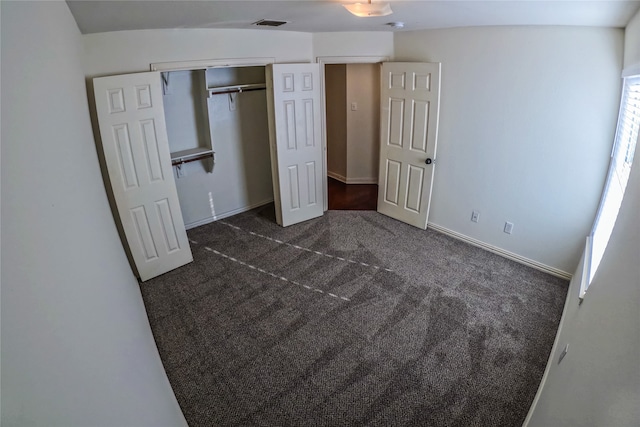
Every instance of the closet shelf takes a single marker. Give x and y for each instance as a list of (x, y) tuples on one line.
[(190, 155), (218, 90)]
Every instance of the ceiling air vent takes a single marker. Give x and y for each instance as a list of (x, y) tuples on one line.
[(269, 23)]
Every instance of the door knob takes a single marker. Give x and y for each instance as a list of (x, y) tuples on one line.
[(428, 161)]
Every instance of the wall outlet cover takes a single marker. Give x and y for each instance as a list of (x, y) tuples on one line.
[(508, 227)]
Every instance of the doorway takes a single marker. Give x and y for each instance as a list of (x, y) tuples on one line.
[(352, 102)]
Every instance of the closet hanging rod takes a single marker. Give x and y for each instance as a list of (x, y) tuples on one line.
[(235, 89)]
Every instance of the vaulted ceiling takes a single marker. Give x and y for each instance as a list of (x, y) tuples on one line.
[(96, 16)]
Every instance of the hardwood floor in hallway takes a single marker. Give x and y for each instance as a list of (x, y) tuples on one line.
[(359, 197)]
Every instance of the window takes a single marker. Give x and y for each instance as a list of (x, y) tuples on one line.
[(621, 159)]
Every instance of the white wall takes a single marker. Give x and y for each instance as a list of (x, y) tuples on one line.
[(363, 124), (598, 382), (77, 349), (132, 51), (527, 119), (185, 110), (376, 43)]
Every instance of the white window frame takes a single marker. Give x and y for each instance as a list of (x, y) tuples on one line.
[(625, 143)]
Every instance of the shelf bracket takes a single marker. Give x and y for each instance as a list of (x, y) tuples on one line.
[(165, 83), (232, 101)]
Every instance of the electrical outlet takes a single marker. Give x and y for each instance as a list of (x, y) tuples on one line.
[(354, 106), (508, 227), (475, 216)]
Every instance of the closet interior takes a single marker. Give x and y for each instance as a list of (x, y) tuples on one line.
[(218, 131)]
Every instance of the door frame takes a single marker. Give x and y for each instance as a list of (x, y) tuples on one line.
[(210, 63), (264, 61), (325, 60)]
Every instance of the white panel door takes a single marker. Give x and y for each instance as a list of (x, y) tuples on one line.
[(295, 137), (410, 98), (136, 150)]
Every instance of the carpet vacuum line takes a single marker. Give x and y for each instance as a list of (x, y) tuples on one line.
[(306, 249), (284, 279)]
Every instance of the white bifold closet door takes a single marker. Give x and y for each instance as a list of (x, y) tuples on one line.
[(293, 94), (410, 98), (136, 150)]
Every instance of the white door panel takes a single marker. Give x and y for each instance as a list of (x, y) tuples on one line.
[(295, 137), (410, 99), (136, 149)]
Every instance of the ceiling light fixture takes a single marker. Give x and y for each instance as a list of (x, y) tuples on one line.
[(364, 10)]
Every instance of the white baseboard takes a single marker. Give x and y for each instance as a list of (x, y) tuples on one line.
[(496, 250), (362, 180), (337, 176), (347, 180), (211, 219)]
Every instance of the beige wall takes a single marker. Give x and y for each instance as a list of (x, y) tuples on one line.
[(363, 125), (336, 94), (353, 135)]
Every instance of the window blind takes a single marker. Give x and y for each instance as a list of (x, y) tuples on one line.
[(621, 160)]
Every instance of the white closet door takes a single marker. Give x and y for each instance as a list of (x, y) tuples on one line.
[(136, 150), (410, 98), (296, 148)]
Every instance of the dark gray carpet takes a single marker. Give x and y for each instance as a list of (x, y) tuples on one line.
[(352, 319)]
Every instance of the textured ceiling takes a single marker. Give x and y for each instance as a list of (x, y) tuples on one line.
[(329, 15)]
